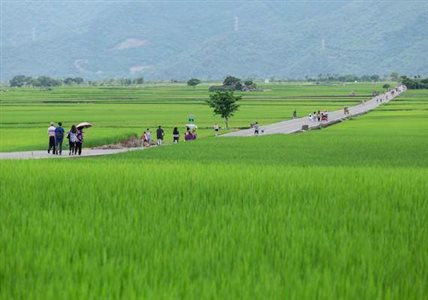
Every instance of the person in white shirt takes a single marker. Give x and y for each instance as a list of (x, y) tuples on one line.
[(51, 135), (148, 136), (256, 128), (216, 129)]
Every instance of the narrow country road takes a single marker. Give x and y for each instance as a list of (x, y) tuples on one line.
[(44, 154), (295, 125), (284, 127)]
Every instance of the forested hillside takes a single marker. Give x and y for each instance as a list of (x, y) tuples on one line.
[(208, 40)]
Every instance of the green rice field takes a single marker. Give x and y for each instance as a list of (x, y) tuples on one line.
[(117, 112), (336, 213)]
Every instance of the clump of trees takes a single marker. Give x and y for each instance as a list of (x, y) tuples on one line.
[(41, 81), (48, 82), (415, 83), (231, 83), (71, 81), (193, 82), (224, 104), (343, 78)]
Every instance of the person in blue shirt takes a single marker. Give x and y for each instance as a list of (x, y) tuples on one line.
[(59, 137)]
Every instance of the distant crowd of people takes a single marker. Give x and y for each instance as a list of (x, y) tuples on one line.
[(56, 138), (318, 116), (147, 140)]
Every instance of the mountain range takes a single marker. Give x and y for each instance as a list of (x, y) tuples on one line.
[(163, 40)]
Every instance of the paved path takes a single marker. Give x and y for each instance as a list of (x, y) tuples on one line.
[(295, 125), (283, 127), (44, 154)]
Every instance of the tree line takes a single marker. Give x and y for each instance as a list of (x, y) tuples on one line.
[(48, 82), (415, 83), (394, 76)]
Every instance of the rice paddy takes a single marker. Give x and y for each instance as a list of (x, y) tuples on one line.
[(338, 213)]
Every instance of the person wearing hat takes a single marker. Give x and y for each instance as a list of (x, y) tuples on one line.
[(59, 137), (51, 135)]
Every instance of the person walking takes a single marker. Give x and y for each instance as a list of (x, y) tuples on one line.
[(59, 137), (72, 139), (51, 135), (143, 139), (175, 135), (79, 141), (148, 136), (159, 135), (256, 128)]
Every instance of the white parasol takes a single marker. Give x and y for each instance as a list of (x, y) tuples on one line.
[(191, 126), (84, 125)]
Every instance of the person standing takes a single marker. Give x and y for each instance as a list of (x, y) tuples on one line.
[(294, 114), (72, 138), (79, 141), (175, 135), (143, 139), (51, 135), (159, 135), (256, 128), (59, 137), (216, 129), (148, 136)]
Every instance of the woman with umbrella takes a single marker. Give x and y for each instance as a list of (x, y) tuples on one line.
[(79, 136)]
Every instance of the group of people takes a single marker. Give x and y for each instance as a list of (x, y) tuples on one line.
[(56, 138), (190, 135), (146, 137), (318, 116), (147, 141)]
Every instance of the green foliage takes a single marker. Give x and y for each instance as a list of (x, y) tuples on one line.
[(414, 84), (76, 80), (233, 83), (224, 104), (45, 82), (193, 82), (344, 78), (220, 88), (20, 80), (139, 80), (386, 86)]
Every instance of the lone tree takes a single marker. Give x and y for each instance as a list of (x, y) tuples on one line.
[(193, 82), (386, 86), (224, 104)]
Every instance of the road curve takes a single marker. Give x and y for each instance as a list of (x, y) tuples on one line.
[(295, 125)]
